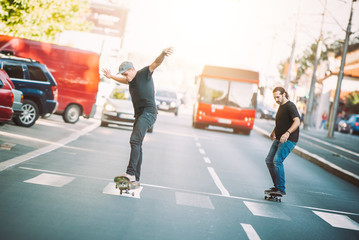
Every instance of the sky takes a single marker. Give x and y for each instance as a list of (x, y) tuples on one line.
[(250, 34)]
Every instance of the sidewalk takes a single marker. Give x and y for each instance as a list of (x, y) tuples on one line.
[(338, 155)]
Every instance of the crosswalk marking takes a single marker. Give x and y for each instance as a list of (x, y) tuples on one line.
[(193, 200), (110, 189), (50, 180), (338, 221), (251, 233), (266, 210)]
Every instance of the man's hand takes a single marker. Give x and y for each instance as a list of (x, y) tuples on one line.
[(106, 72), (167, 51), (272, 136), (284, 137)]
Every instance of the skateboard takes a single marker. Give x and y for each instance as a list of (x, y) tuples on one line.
[(124, 185), (273, 197)]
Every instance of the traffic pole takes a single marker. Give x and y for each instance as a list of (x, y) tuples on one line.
[(334, 110)]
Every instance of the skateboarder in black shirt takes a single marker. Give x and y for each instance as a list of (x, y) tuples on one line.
[(285, 137), (143, 99)]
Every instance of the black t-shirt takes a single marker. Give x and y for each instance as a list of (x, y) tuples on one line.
[(143, 92), (284, 120)]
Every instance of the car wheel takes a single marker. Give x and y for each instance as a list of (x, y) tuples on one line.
[(29, 115), (104, 124), (72, 113)]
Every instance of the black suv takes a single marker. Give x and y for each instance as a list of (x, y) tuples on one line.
[(37, 84)]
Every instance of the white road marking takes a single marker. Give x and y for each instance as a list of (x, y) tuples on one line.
[(201, 150), (20, 159), (193, 200), (331, 145), (218, 182), (266, 210), (7, 146), (51, 180), (251, 233), (207, 160), (191, 191), (338, 221), (198, 144), (332, 165), (332, 152), (111, 189)]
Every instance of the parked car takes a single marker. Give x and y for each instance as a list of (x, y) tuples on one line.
[(18, 102), (18, 97), (351, 125), (6, 98), (265, 112), (76, 72), (167, 101), (118, 108), (38, 86)]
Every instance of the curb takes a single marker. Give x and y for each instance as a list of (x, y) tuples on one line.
[(330, 167)]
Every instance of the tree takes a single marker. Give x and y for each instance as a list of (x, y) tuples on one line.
[(42, 19), (352, 102)]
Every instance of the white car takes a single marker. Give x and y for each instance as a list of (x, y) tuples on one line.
[(118, 108)]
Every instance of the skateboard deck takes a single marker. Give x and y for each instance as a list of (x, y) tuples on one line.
[(273, 197), (124, 185)]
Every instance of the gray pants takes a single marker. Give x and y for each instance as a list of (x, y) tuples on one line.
[(140, 127)]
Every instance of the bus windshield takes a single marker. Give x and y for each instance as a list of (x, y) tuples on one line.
[(228, 93)]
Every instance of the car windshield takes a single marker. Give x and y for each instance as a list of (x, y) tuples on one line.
[(121, 94), (228, 93), (166, 94)]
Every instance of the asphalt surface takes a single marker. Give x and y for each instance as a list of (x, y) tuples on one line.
[(338, 155), (196, 184)]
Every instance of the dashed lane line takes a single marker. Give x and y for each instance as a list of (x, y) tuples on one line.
[(218, 182), (191, 191)]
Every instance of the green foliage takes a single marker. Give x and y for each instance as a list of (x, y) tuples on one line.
[(352, 102), (42, 19), (307, 58)]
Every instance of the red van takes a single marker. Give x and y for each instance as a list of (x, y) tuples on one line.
[(75, 71), (6, 98)]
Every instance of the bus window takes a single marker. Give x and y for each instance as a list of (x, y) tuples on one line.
[(243, 95), (213, 91)]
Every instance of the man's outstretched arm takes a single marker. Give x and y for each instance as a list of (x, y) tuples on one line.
[(119, 79), (166, 52)]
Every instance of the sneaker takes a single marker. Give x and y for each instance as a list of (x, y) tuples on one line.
[(132, 178), (269, 190), (277, 191), (135, 184)]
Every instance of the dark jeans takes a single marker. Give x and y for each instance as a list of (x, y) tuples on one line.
[(140, 127)]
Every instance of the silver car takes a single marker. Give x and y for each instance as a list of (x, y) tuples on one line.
[(118, 108)]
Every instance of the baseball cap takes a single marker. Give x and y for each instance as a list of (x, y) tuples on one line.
[(124, 67)]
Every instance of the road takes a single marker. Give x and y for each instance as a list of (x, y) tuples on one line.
[(56, 183)]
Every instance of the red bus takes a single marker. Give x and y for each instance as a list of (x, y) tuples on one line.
[(227, 97)]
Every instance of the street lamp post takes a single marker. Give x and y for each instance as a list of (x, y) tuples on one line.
[(333, 114)]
